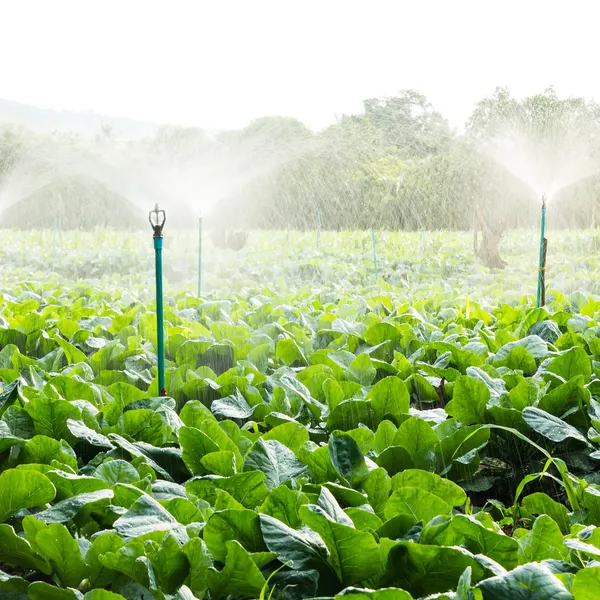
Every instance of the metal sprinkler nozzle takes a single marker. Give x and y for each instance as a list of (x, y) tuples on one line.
[(158, 222), (544, 200)]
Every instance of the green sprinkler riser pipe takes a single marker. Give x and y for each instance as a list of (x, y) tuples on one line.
[(199, 256), (160, 334), (541, 265), (157, 219), (374, 253)]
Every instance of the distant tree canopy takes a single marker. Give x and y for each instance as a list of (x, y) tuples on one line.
[(397, 164)]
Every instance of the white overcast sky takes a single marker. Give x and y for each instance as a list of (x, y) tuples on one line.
[(221, 63)]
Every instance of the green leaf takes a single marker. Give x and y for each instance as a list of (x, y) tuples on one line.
[(419, 440), (445, 489), (586, 584), (102, 595), (117, 471), (276, 461), (59, 547), (16, 551), (468, 532), (528, 582), (40, 590), (543, 542), (304, 548), (390, 399), (43, 450), (240, 525), (67, 509), (170, 564), (571, 363), (347, 458), (292, 435), (422, 569), (23, 489), (50, 417), (199, 560), (354, 554), (551, 427), (349, 414), (541, 504), (195, 445), (240, 576), (7, 439), (378, 488), (419, 504), (219, 463), (469, 401), (145, 516), (283, 504)]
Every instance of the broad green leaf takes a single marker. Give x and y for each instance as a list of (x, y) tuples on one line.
[(347, 458), (389, 399), (417, 503), (586, 584), (67, 509), (543, 542), (240, 525), (354, 554), (276, 461), (283, 504), (240, 576), (468, 532), (469, 400), (447, 490), (293, 435), (551, 427), (422, 569), (16, 551), (145, 516), (541, 504), (528, 582), (23, 489), (60, 548), (303, 547)]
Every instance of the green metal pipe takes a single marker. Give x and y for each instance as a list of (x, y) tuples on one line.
[(157, 227), (542, 261), (199, 256), (374, 253)]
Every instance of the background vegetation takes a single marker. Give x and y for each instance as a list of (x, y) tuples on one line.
[(396, 165)]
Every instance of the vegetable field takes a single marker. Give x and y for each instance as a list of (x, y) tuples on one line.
[(431, 435)]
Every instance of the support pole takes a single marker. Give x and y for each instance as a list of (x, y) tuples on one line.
[(541, 292), (374, 253), (157, 225), (199, 256)]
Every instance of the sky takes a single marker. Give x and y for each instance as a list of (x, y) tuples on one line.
[(219, 64)]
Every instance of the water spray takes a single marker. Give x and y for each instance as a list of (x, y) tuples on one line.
[(374, 253), (541, 289), (199, 256), (157, 220), (318, 226)]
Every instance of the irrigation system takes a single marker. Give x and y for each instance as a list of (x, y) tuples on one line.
[(541, 289), (158, 218)]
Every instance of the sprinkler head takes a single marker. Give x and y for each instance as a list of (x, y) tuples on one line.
[(544, 200), (157, 219)]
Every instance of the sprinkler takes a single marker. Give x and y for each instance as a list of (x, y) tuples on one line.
[(157, 220), (199, 256), (541, 289)]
